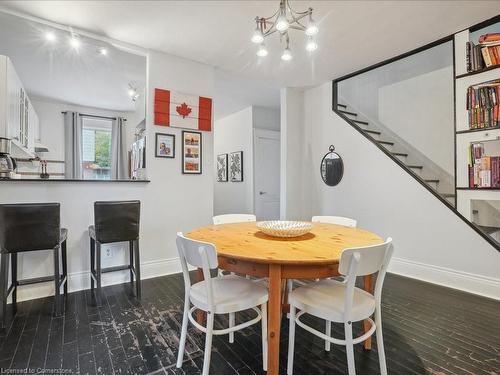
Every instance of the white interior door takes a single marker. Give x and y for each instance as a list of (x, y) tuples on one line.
[(267, 174)]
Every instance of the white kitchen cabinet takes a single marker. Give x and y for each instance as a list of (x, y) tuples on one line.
[(17, 116)]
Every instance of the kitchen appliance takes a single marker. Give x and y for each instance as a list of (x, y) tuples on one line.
[(7, 163)]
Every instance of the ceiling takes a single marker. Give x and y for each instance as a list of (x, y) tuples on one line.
[(58, 72), (353, 34)]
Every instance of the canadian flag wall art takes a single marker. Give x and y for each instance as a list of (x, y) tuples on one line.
[(182, 110)]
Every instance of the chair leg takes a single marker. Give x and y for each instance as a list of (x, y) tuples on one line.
[(137, 267), (4, 275), (131, 260), (232, 319), (328, 332), (208, 343), (92, 263), (380, 341), (291, 340), (65, 267), (98, 274), (57, 284), (182, 342), (13, 263), (263, 310), (349, 348)]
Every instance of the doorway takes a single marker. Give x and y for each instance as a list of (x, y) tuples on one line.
[(267, 174)]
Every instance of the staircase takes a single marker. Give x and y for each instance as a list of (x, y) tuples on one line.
[(414, 162)]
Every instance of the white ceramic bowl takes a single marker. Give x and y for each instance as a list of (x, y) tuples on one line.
[(278, 228)]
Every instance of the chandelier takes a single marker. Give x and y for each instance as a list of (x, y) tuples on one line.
[(282, 21)]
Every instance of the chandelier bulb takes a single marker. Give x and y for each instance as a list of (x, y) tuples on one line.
[(258, 36), (311, 45), (287, 54), (262, 52), (282, 24), (312, 28)]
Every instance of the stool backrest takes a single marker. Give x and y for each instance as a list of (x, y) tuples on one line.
[(117, 221), (29, 226), (233, 218), (339, 220)]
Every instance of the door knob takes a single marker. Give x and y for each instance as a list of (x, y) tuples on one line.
[(262, 192)]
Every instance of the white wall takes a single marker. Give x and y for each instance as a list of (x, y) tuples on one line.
[(294, 202), (171, 202), (266, 118), (431, 242), (420, 110), (413, 98), (234, 133)]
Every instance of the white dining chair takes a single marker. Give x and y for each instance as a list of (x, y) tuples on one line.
[(217, 295), (342, 302), (233, 218), (338, 220)]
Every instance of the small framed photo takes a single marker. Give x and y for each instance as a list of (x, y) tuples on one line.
[(191, 152), (222, 168), (165, 145), (236, 166)]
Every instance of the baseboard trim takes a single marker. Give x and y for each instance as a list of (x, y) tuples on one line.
[(476, 284), (81, 280)]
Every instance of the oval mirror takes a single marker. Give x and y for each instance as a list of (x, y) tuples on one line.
[(332, 168)]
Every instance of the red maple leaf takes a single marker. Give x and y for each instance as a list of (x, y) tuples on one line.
[(184, 110)]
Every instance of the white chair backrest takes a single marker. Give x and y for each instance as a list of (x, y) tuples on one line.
[(362, 261), (339, 220), (233, 218), (199, 254), (371, 259)]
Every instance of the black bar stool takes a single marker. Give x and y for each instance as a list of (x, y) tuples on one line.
[(115, 221), (30, 227)]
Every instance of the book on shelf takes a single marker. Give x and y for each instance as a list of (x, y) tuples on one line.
[(483, 105), (484, 54), (484, 170)]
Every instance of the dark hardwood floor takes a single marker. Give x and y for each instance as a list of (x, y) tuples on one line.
[(428, 330)]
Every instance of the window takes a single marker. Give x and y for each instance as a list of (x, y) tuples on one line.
[(96, 148)]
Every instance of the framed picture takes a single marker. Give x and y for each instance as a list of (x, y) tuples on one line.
[(165, 145), (222, 168), (236, 166), (191, 152)]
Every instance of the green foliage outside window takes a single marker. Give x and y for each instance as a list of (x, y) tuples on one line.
[(103, 148)]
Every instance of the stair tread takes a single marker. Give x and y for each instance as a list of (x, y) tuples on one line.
[(399, 153), (415, 166), (341, 105), (386, 143), (360, 122), (432, 180), (348, 113), (372, 132), (447, 195)]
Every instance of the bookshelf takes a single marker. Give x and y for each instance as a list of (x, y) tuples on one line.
[(470, 198)]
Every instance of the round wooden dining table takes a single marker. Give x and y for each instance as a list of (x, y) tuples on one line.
[(243, 248)]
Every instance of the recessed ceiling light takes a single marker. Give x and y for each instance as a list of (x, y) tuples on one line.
[(103, 51), (50, 36), (287, 55), (262, 52), (311, 45), (74, 42)]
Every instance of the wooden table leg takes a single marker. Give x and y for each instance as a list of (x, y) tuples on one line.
[(366, 324), (200, 315), (274, 312)]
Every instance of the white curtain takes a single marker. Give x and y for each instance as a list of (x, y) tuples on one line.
[(119, 156), (73, 146)]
